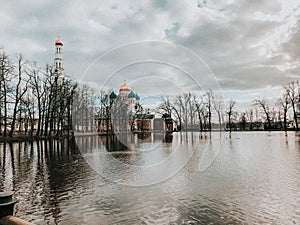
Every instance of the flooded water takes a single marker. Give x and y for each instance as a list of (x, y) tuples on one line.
[(184, 178)]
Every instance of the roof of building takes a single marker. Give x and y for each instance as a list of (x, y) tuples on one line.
[(145, 116), (124, 87), (113, 95), (137, 97), (131, 95), (59, 42)]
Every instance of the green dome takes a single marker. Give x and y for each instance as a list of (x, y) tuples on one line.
[(131, 95), (113, 95), (137, 97)]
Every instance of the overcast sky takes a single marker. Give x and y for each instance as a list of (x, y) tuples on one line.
[(250, 48)]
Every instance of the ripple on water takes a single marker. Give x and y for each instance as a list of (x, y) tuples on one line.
[(254, 179)]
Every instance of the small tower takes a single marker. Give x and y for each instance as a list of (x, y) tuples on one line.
[(124, 89), (58, 67)]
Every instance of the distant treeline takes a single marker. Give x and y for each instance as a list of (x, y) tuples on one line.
[(39, 102), (195, 112)]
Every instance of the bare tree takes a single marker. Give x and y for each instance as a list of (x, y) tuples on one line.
[(106, 101), (6, 70), (208, 103), (165, 107), (23, 93), (29, 119), (249, 115), (230, 112), (37, 87), (291, 91), (20, 89), (264, 105), (179, 110), (191, 110), (243, 121), (70, 99), (218, 106), (178, 118), (120, 114), (49, 92), (199, 108), (83, 108), (284, 103), (182, 102)]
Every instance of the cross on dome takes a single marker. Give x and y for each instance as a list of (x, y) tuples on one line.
[(124, 87), (58, 41)]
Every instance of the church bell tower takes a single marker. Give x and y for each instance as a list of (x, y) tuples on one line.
[(58, 67)]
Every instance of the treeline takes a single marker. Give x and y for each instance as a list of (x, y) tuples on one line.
[(39, 102), (191, 112), (34, 102), (208, 111)]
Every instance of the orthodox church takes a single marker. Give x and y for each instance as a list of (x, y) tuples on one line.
[(125, 90), (139, 119)]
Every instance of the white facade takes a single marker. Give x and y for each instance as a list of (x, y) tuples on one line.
[(58, 67), (126, 91)]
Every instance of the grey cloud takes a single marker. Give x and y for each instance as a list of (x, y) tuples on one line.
[(172, 31), (227, 35), (159, 3)]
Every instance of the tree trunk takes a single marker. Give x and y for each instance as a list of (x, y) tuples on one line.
[(284, 119), (295, 115), (5, 111)]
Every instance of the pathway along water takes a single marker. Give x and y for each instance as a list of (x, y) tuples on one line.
[(255, 179)]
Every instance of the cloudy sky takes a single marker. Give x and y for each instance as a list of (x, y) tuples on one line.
[(246, 48)]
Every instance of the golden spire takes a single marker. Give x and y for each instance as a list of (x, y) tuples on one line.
[(58, 41), (124, 87)]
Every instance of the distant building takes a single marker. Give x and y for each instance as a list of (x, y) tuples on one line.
[(125, 91), (58, 66), (61, 87), (144, 122), (159, 124), (23, 121), (165, 123), (134, 119)]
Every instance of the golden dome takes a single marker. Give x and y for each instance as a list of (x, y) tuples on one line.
[(124, 87), (59, 42)]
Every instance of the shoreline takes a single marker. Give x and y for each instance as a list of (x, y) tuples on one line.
[(23, 137)]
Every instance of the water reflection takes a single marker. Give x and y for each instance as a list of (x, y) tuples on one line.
[(254, 179), (142, 159), (38, 172)]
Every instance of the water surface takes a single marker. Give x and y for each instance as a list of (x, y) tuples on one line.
[(253, 179)]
